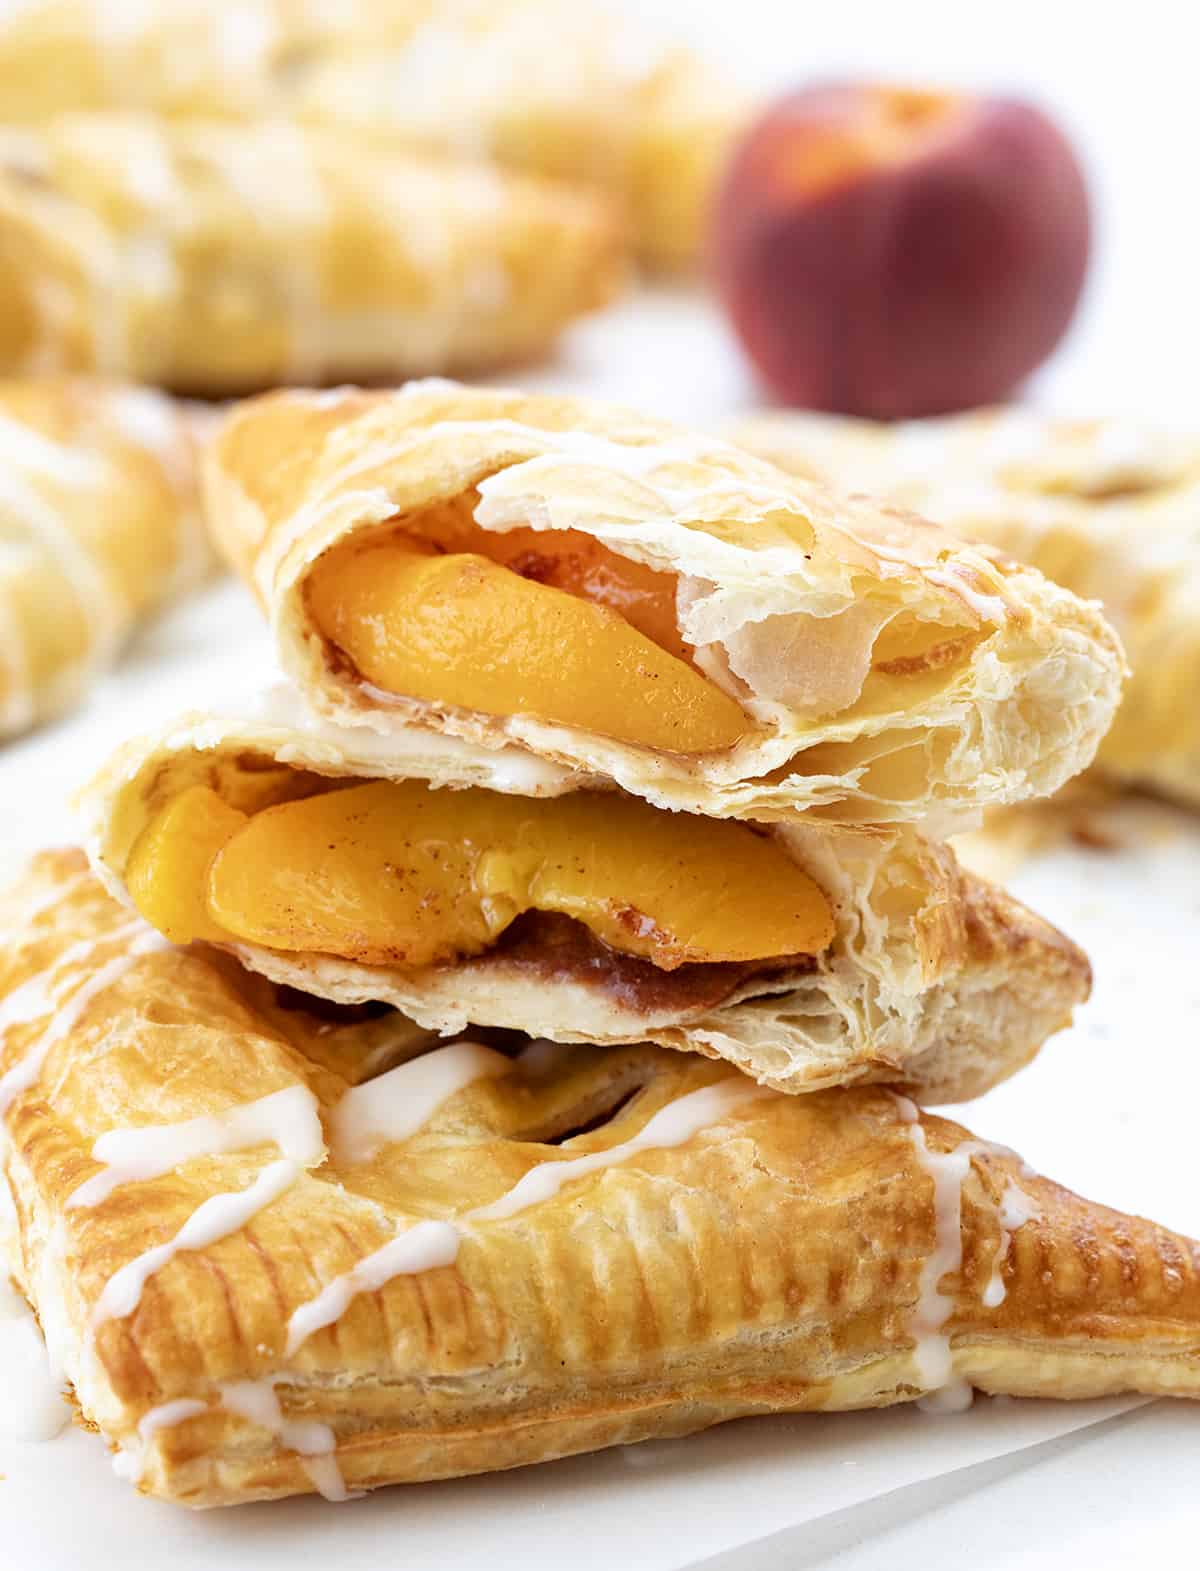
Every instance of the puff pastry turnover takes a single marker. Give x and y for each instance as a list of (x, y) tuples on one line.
[(556, 88), (807, 954), (649, 605), (215, 258), (1109, 508), (99, 524), (264, 1275), (550, 87)]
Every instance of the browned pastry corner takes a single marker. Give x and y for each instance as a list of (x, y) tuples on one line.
[(265, 1274), (101, 525)]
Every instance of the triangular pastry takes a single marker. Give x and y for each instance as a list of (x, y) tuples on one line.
[(1108, 508), (263, 1275), (622, 597), (216, 258), (806, 953), (99, 525)]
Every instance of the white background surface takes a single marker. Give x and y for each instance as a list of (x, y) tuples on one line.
[(1109, 1107)]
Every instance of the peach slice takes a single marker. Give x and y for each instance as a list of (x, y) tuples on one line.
[(400, 874), (167, 872), (462, 629)]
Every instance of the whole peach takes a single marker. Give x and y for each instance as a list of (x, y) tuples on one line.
[(890, 252)]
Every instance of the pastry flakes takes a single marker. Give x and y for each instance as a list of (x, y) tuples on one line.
[(821, 655), (263, 1276), (1109, 508)]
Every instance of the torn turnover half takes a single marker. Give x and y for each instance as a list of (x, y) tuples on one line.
[(99, 525), (1109, 508), (274, 1253), (471, 886), (218, 258), (617, 596)]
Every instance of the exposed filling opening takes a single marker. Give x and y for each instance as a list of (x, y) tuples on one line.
[(552, 625), (549, 624), (398, 874)]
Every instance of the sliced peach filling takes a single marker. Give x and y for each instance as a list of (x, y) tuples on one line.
[(399, 874), (549, 624)]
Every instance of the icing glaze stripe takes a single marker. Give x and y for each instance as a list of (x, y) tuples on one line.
[(430, 1244), (289, 1119), (26, 1071), (215, 1219), (394, 1105)]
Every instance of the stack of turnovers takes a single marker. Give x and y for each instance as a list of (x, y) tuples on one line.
[(99, 525), (1110, 508), (564, 89), (602, 739)]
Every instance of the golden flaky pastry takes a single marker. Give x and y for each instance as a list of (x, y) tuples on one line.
[(1109, 508), (872, 957), (600, 105), (730, 641), (99, 525), (217, 258), (263, 1276), (564, 88)]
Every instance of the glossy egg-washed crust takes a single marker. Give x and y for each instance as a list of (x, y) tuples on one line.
[(218, 258), (771, 1263), (99, 525), (777, 580), (935, 979), (1108, 508)]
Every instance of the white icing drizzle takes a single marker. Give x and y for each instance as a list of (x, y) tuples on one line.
[(1016, 1208), (431, 1244), (130, 1461), (52, 895), (395, 1105), (31, 1000), (424, 1247), (948, 1170), (216, 1218), (289, 1119), (101, 607), (672, 1125), (257, 1402), (34, 1407)]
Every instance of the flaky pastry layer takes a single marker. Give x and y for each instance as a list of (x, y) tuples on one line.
[(935, 979), (783, 594), (542, 1254), (1108, 508)]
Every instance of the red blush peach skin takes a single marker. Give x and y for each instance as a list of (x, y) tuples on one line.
[(893, 253)]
